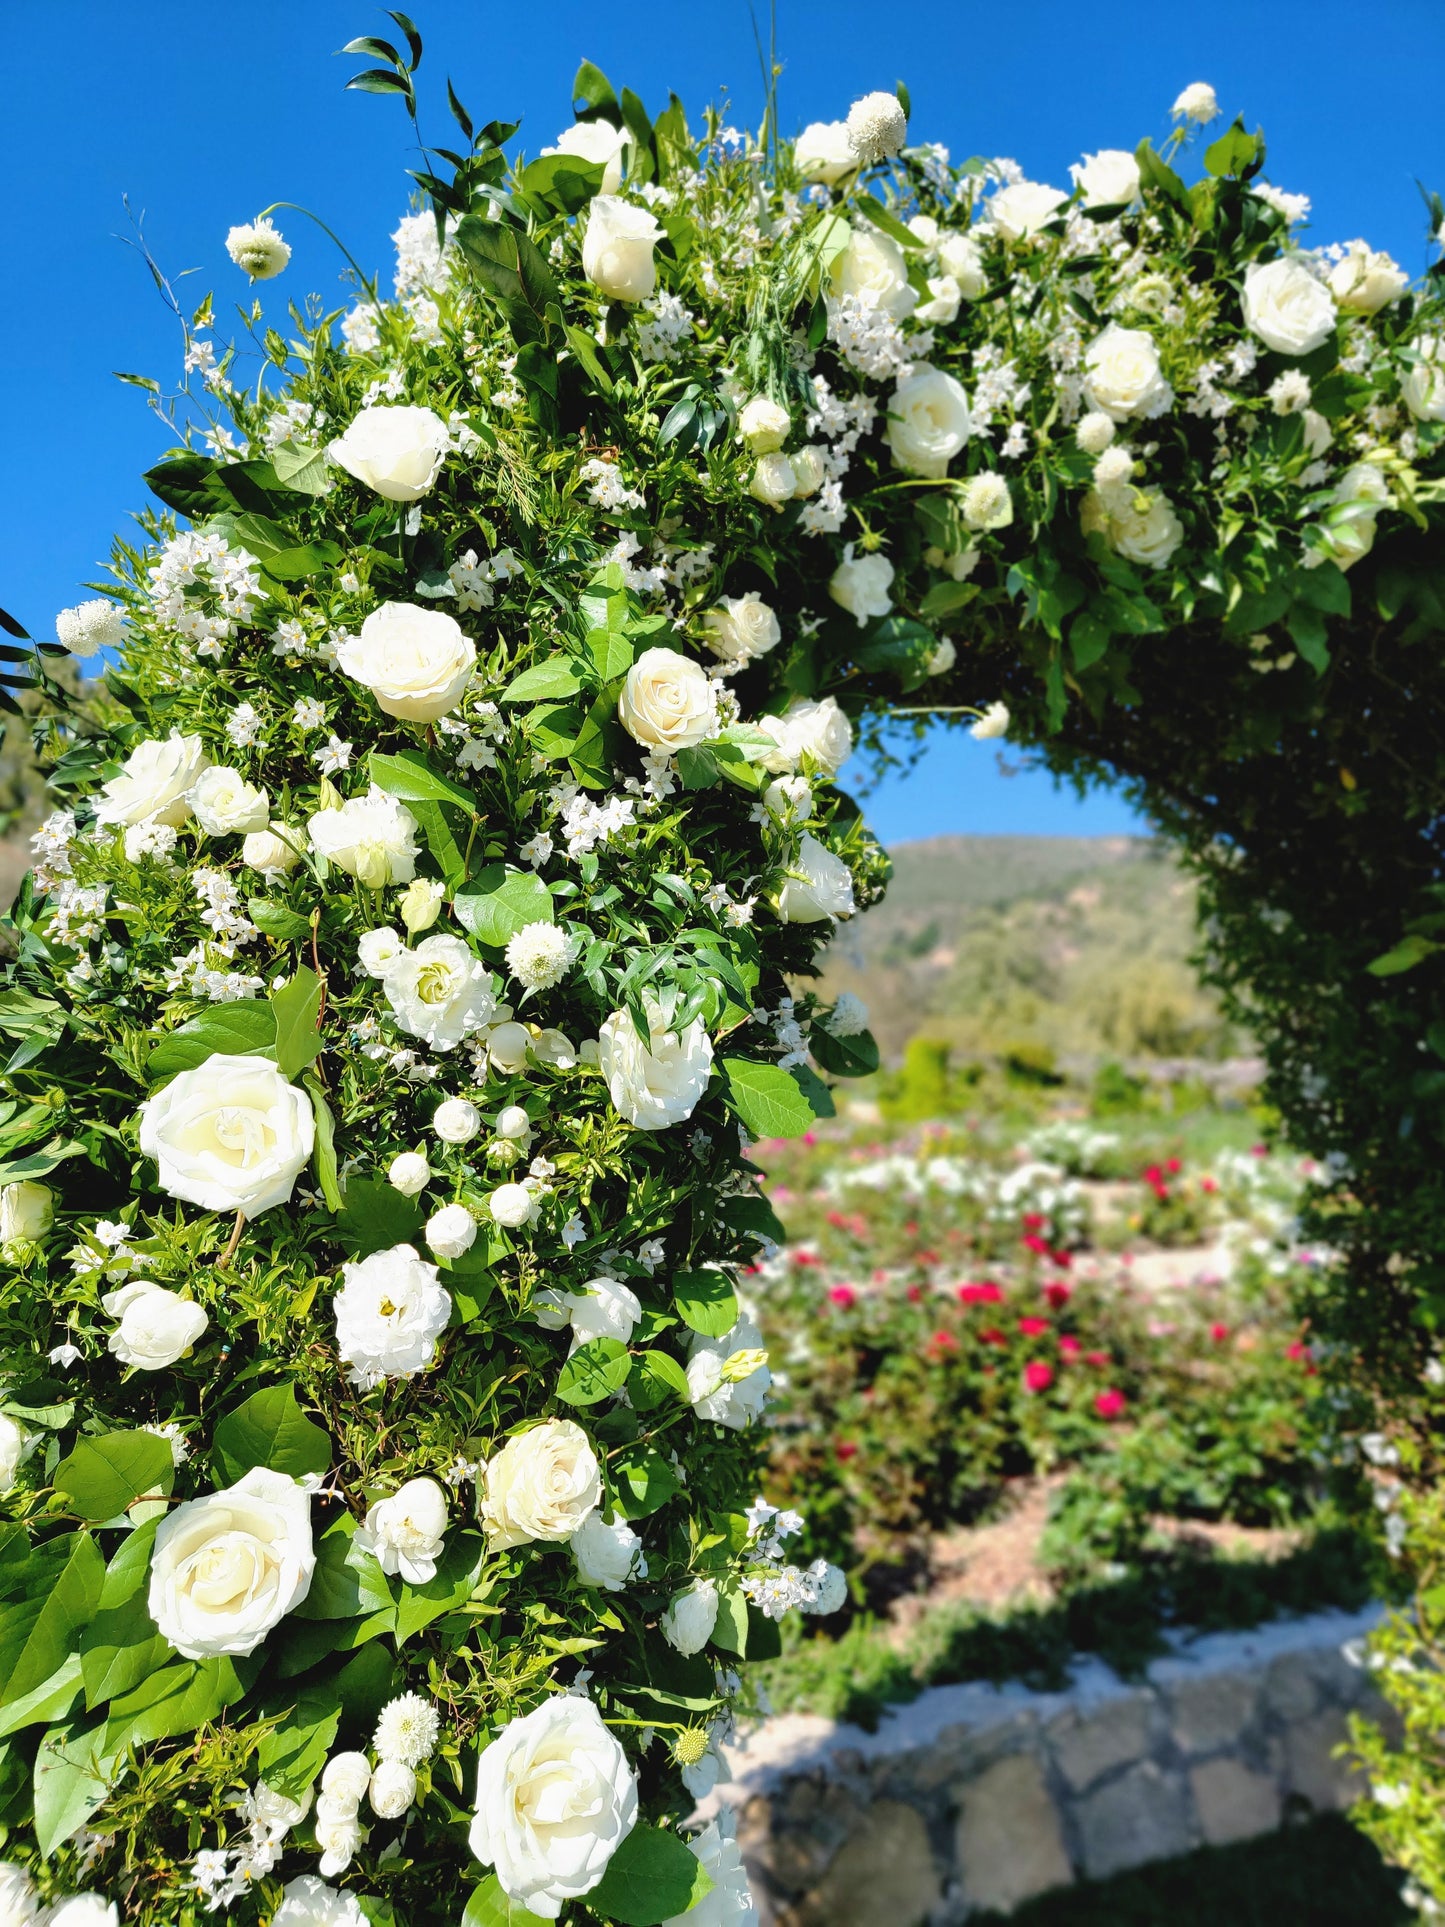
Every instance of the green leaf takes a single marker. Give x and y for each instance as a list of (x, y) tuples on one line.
[(1310, 636), (294, 1752), (488, 1906), (594, 1371), (593, 95), (653, 1876), (766, 1098), (457, 1572), (502, 901), (814, 1090), (753, 1215), (410, 778), (300, 468), (375, 1216), (69, 1605), (73, 1774), (275, 920), (563, 182), (549, 681), (889, 224), (51, 1700), (307, 559), (269, 1428), (585, 349), (229, 1030), (697, 768), (185, 482), (730, 1632), (120, 1648), (1232, 152), (1408, 952), (442, 842), (511, 267), (324, 1155), (855, 1056), (178, 1699), (296, 1008), (347, 1582), (102, 1476), (1157, 173), (645, 1481), (655, 1377), (706, 1301)]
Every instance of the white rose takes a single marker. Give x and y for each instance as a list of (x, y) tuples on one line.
[(228, 1568), (224, 803), (19, 1902), (1018, 212), (275, 849), (1423, 384), (1367, 280), (455, 1120), (308, 1902), (440, 992), (763, 425), (940, 310), (823, 152), (925, 228), (657, 1086), (372, 838), (1122, 376), (344, 1780), (617, 249), (416, 662), (555, 1800), (16, 1446), (928, 421), (153, 782), (820, 730), (688, 1621), (601, 143), (230, 1135), (860, 584), (395, 450), (666, 702), (508, 1045), (873, 266), (406, 1532), (408, 1173), (542, 1485), (451, 1232), (1139, 524), (961, 259), (819, 885), (1287, 307), (512, 1205), (1198, 103), (393, 1789), (715, 1395), (390, 1312), (774, 480), (790, 799), (605, 1552), (340, 1837), (810, 470), (26, 1211), (1109, 178), (379, 951), (82, 1910), (156, 1326)]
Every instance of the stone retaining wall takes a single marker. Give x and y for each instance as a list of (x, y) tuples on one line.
[(978, 1797)]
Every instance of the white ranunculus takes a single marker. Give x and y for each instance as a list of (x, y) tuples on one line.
[(156, 1326), (275, 849), (666, 702), (877, 127), (406, 1533), (393, 1789), (763, 425), (455, 1120), (27, 1210), (1140, 524), (605, 1551), (542, 1484), (1423, 384), (230, 1135), (16, 1445), (307, 1901), (379, 951), (1366, 279), (928, 421), (717, 1396), (819, 885), (873, 266), (940, 310), (396, 450), (555, 1800), (440, 992), (688, 1621), (601, 143), (961, 259), (228, 1568), (860, 584), (617, 249), (816, 729), (153, 782), (1198, 103), (740, 627), (85, 630), (408, 1173), (774, 480), (1122, 376), (1109, 178), (371, 837), (1287, 307), (653, 1087), (82, 1910), (512, 1205), (823, 152), (390, 1312), (729, 1902), (416, 662), (1019, 211), (450, 1232), (225, 804), (345, 1778)]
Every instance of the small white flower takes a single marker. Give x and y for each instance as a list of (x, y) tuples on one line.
[(540, 955), (993, 722), (689, 1620), (877, 127), (407, 1730), (406, 1532), (456, 1120)]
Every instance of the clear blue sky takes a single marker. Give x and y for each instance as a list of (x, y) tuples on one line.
[(204, 116)]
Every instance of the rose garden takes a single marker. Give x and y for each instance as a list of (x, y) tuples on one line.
[(461, 1358)]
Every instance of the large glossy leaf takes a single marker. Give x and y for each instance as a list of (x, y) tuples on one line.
[(499, 902), (594, 1371), (295, 1009), (653, 1876), (766, 1098), (706, 1301), (229, 1030), (104, 1475), (269, 1428)]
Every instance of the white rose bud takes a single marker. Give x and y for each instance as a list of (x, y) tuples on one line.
[(230, 1135), (451, 1232), (666, 702), (512, 1205), (992, 723), (823, 152), (397, 451), (774, 481), (408, 1173), (738, 628), (819, 885), (154, 782), (728, 1377), (658, 1085), (944, 656), (513, 1121), (688, 1622), (1286, 307), (605, 1552), (421, 904), (26, 1212), (156, 1327), (817, 729), (861, 584), (227, 1568), (763, 425), (1422, 385), (508, 1046), (1367, 280), (393, 1790), (617, 249), (224, 803), (456, 1120), (542, 1484), (928, 421), (940, 310), (274, 850), (1139, 524)]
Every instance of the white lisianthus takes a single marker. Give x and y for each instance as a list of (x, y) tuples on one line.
[(395, 450), (408, 1173), (817, 729), (153, 782), (728, 1377), (512, 1205), (230, 1135), (393, 1790), (1019, 211), (940, 310), (416, 662), (407, 1532), (849, 1016), (450, 1232), (689, 1619), (273, 850), (1198, 103), (225, 804), (156, 1326), (763, 425), (390, 1312), (992, 723), (605, 1552), (1422, 385), (819, 885), (1095, 432), (88, 628), (928, 421), (1366, 279), (227, 1568), (654, 1085), (555, 1800), (810, 470), (456, 1120), (1122, 376), (823, 152), (16, 1445), (961, 259), (440, 992), (617, 249), (371, 837), (82, 1910), (379, 951), (1286, 307), (601, 143), (987, 501), (421, 904), (307, 1901), (27, 1210), (729, 1902), (602, 1308), (542, 1485), (739, 627), (861, 583), (666, 702), (774, 480), (877, 127), (1139, 524), (875, 267), (1109, 178)]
